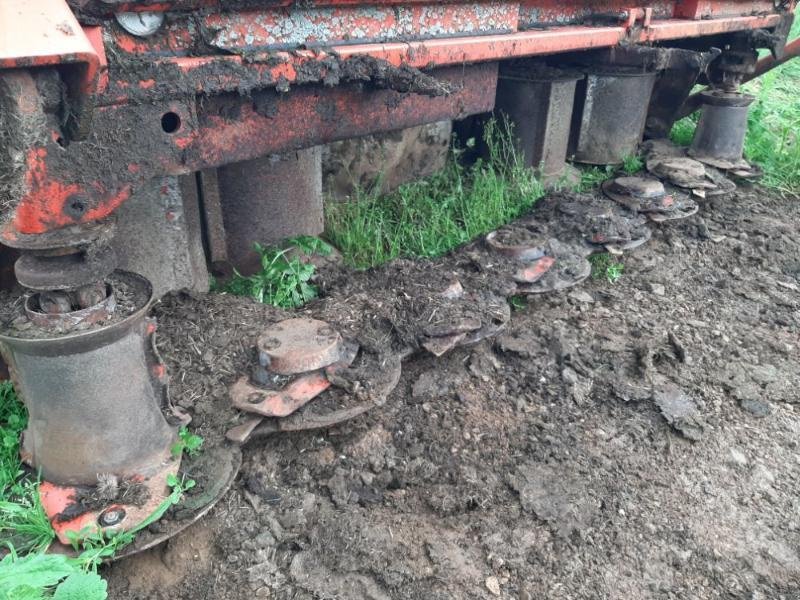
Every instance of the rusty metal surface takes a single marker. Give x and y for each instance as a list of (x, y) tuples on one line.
[(611, 108), (106, 378), (722, 126), (220, 130), (267, 199), (165, 212), (269, 28), (71, 519), (385, 377), (170, 75), (524, 252), (64, 321), (66, 271), (298, 345), (298, 392), (214, 476), (539, 108)]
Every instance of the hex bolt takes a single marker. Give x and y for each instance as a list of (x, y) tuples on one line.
[(76, 206), (112, 516)]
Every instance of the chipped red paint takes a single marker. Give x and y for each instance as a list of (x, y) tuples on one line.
[(43, 207), (276, 28), (55, 500), (706, 9), (257, 45), (320, 116), (200, 73)]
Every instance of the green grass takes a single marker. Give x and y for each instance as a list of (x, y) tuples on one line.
[(517, 302), (284, 278), (632, 164), (773, 125), (432, 216), (23, 522), (605, 266), (591, 177)]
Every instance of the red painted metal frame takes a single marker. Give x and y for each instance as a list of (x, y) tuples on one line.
[(197, 72), (683, 8), (39, 33), (156, 86), (219, 131)]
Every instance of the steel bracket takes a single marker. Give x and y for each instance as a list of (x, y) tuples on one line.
[(45, 33)]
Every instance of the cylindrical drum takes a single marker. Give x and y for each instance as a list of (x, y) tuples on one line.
[(539, 106), (723, 124), (94, 396), (268, 199), (610, 113)]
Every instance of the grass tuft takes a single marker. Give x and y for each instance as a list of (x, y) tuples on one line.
[(632, 164), (606, 266), (23, 522), (432, 216), (592, 177)]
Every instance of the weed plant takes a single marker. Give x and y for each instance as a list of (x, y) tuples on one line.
[(285, 277)]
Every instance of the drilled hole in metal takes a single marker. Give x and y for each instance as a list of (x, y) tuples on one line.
[(170, 122)]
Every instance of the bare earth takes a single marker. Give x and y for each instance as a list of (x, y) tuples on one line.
[(537, 464)]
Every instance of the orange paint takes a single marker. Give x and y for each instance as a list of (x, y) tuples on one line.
[(41, 209), (55, 500)]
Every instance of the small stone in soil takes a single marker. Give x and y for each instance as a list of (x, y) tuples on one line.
[(737, 457), (679, 410), (493, 585), (581, 296), (256, 485), (757, 408)]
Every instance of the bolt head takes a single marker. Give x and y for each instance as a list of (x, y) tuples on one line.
[(111, 516)]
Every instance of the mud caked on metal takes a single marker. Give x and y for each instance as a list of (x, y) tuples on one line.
[(94, 399), (720, 132), (610, 113)]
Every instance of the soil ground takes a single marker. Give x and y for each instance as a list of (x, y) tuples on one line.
[(539, 463)]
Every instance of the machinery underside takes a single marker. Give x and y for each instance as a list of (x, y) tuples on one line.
[(143, 141)]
